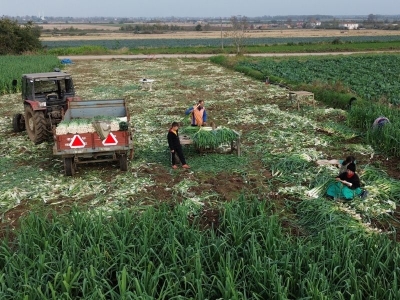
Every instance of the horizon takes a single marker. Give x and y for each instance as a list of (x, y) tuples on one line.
[(204, 8), (43, 16)]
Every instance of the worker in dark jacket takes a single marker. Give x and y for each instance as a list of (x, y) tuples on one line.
[(175, 146), (347, 185)]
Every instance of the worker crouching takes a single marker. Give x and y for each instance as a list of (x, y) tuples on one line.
[(347, 185)]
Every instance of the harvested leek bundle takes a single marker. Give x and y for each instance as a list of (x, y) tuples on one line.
[(225, 135), (123, 126), (213, 138), (205, 139), (189, 130), (86, 125)]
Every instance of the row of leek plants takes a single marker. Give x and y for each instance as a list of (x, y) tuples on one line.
[(385, 138), (160, 254), (14, 66), (361, 113)]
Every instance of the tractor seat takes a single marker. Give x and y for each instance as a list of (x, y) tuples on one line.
[(52, 96)]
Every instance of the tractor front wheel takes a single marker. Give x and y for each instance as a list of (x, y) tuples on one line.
[(18, 123), (35, 124)]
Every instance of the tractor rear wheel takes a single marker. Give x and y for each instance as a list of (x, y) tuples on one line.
[(35, 124), (18, 123), (69, 166), (123, 162)]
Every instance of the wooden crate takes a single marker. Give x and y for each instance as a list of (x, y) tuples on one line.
[(301, 97), (234, 147)]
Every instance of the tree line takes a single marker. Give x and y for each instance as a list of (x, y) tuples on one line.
[(18, 39), (147, 28)]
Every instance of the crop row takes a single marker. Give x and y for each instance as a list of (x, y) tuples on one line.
[(160, 254), (213, 42), (12, 67), (374, 78), (274, 244), (370, 76)]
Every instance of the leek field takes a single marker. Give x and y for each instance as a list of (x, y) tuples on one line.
[(251, 227), (214, 42), (372, 79), (12, 67)]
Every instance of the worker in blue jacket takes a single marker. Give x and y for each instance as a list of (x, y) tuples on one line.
[(198, 114)]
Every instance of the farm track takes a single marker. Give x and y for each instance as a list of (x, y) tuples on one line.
[(155, 56)]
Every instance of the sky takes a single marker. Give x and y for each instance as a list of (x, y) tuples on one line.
[(195, 8)]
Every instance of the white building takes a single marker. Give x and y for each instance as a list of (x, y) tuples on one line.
[(348, 25)]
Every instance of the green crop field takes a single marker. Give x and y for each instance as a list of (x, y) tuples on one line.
[(12, 67), (373, 77), (212, 42), (251, 227)]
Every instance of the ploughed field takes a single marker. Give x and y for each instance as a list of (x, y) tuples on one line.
[(113, 32)]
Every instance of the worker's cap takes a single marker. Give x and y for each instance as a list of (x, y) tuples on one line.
[(351, 167)]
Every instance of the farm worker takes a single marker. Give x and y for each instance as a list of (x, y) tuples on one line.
[(175, 146), (352, 99), (198, 114), (380, 122), (347, 185), (340, 163)]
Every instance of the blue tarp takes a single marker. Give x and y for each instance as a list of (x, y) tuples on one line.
[(66, 61)]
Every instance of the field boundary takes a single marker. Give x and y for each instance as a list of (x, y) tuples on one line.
[(146, 56)]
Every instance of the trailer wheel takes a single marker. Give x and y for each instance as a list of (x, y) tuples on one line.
[(18, 123), (69, 167), (123, 162), (35, 124)]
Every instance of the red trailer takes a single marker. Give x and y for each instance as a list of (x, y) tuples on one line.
[(94, 131)]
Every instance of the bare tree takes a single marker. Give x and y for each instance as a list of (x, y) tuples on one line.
[(371, 18), (238, 32), (222, 39)]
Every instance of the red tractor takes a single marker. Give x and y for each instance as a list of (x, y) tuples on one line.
[(45, 97)]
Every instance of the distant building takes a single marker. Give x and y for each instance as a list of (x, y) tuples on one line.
[(348, 25), (315, 24)]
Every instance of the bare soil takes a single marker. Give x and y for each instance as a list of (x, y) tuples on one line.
[(114, 33)]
